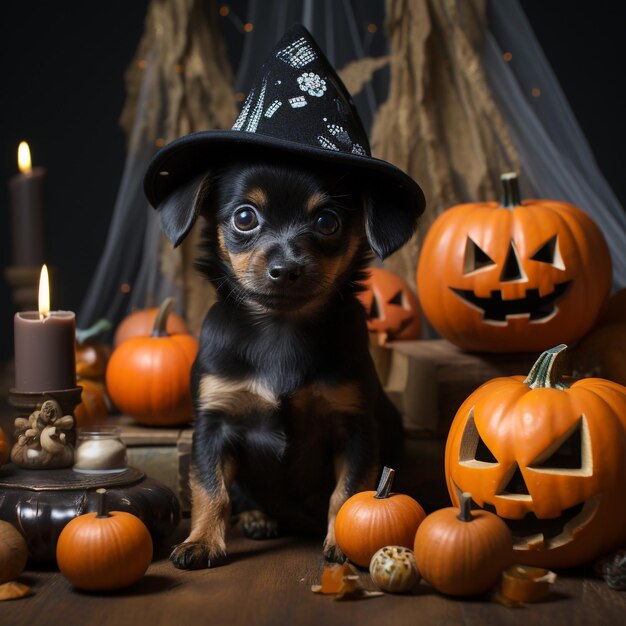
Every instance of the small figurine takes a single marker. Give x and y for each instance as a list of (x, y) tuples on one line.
[(44, 440)]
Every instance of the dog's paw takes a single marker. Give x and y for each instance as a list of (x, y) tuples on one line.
[(257, 525), (196, 555), (333, 553)]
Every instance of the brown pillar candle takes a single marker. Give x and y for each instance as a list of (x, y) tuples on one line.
[(44, 351), (26, 198)]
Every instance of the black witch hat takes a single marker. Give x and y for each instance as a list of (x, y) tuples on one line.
[(297, 106)]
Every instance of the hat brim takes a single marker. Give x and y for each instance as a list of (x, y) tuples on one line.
[(187, 157)]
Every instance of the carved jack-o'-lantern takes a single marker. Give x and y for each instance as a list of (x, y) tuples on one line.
[(392, 308), (513, 277), (548, 459)]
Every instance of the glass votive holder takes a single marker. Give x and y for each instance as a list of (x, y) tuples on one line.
[(99, 450)]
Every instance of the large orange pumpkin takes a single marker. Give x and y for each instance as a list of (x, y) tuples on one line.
[(148, 377), (392, 308), (548, 459), (515, 276)]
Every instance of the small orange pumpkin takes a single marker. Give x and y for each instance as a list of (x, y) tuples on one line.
[(148, 377), (4, 448), (141, 323), (93, 405), (104, 550), (462, 552), (92, 355), (392, 308), (515, 276), (549, 458), (371, 520)]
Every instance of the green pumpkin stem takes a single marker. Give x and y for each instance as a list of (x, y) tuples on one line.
[(160, 323), (83, 335), (103, 510), (465, 506), (384, 486), (545, 373), (511, 196)]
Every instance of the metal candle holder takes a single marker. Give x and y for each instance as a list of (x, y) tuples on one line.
[(45, 428)]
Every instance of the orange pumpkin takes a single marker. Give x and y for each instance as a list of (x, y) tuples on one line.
[(392, 308), (371, 520), (140, 324), (519, 276), (92, 355), (148, 377), (615, 312), (93, 405), (104, 550), (549, 459), (4, 448), (461, 552)]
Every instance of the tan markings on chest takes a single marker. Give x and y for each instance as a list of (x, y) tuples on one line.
[(235, 397), (324, 399)]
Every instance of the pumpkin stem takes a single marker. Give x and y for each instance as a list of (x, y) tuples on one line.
[(511, 196), (465, 504), (102, 506), (384, 486), (160, 323), (545, 373), (83, 335)]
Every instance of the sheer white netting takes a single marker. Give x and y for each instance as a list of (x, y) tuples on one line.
[(556, 159)]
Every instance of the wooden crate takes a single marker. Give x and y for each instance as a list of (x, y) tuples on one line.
[(428, 380)]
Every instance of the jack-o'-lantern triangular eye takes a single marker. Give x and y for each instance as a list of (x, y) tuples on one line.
[(473, 448), (475, 257), (374, 313), (568, 452), (397, 299), (549, 253)]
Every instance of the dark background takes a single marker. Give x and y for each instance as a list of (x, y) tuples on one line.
[(63, 91)]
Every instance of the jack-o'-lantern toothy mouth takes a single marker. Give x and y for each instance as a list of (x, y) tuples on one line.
[(533, 533), (496, 310)]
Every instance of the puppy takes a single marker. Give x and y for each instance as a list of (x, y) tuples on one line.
[(287, 401)]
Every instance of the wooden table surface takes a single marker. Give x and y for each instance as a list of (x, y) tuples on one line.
[(268, 583)]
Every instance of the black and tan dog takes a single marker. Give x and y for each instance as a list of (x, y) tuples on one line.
[(286, 396), (290, 416)]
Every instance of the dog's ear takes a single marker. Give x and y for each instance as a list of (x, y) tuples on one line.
[(388, 226), (178, 212)]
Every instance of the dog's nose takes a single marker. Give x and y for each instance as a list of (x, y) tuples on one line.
[(284, 273)]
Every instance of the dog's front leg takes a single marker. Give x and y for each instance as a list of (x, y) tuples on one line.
[(211, 476), (356, 466)]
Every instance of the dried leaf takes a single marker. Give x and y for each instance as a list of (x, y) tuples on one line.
[(13, 590)]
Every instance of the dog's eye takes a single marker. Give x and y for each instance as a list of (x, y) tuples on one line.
[(327, 223), (245, 218)]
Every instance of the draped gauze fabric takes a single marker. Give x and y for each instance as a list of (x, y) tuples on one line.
[(179, 82), (440, 122), (458, 115), (556, 159), (440, 100)]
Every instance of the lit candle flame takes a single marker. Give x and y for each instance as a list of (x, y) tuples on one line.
[(23, 158), (44, 293)]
